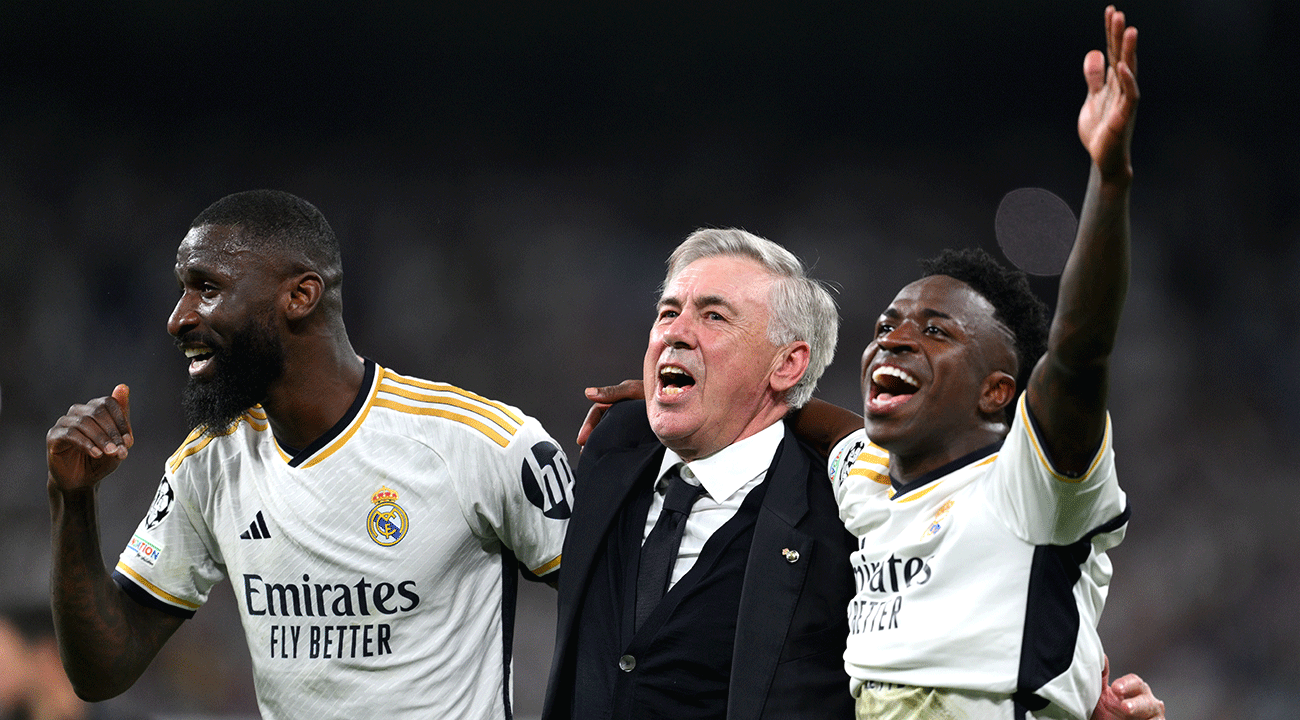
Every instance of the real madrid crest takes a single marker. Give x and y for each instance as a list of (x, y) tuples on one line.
[(387, 521), (939, 520)]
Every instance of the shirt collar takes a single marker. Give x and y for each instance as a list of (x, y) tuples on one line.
[(729, 469)]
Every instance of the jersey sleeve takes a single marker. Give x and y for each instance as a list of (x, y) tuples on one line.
[(1044, 506), (859, 470), (843, 454), (522, 494), (167, 564)]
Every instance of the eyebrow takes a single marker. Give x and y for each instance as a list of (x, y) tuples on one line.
[(703, 301), (195, 271), (892, 314)]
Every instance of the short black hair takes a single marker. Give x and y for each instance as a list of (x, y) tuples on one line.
[(274, 220), (1014, 304)]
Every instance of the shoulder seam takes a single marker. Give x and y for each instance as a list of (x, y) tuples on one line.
[(494, 420), (200, 437)]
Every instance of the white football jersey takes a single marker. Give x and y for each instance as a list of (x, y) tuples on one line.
[(374, 571), (986, 576)]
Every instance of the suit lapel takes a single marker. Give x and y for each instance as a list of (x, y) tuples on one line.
[(772, 582), (599, 496), (604, 481)]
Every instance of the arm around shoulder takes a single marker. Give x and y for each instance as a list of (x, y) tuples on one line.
[(822, 425), (623, 425)]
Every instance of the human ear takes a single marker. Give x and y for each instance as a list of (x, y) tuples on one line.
[(789, 366), (999, 390), (305, 292)]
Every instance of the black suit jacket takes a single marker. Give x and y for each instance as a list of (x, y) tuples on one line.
[(787, 661)]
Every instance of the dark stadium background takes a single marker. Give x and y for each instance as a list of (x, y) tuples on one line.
[(508, 179)]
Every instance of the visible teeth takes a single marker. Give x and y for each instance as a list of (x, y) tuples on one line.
[(674, 380), (894, 372), (196, 352)]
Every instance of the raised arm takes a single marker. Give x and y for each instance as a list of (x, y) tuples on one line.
[(105, 638), (1067, 392)]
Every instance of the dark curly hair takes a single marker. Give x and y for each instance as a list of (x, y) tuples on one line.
[(1014, 303)]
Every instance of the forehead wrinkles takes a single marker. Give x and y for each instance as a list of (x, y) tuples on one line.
[(942, 296), (722, 280), (200, 257)]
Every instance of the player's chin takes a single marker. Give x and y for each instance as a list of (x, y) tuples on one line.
[(884, 429), (670, 423)]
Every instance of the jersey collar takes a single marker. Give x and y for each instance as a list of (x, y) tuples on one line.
[(944, 470), (341, 429)]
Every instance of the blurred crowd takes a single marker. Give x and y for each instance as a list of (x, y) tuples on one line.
[(528, 275)]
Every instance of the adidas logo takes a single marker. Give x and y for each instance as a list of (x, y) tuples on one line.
[(257, 529)]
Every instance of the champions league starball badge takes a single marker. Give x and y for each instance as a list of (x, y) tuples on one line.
[(162, 504), (387, 521)]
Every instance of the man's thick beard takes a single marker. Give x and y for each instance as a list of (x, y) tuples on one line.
[(244, 373)]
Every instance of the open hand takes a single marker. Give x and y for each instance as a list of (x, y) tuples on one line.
[(1106, 120)]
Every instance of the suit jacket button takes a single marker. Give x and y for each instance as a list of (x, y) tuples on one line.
[(627, 663), (791, 556)]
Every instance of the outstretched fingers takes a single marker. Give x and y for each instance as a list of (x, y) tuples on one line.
[(1121, 41), (1106, 120), (1121, 53)]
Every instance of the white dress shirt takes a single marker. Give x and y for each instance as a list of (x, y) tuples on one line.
[(727, 476)]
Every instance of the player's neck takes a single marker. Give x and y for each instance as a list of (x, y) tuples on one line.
[(313, 395), (908, 464)]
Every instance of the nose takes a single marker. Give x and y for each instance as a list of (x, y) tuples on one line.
[(679, 332), (903, 337), (184, 317)]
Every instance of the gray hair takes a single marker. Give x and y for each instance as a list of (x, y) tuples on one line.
[(801, 308)]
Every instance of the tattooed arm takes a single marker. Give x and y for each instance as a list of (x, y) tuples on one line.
[(106, 639)]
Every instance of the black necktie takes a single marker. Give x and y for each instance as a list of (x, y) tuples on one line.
[(659, 552)]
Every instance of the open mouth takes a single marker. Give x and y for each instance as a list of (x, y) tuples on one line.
[(674, 380), (200, 358), (892, 386)]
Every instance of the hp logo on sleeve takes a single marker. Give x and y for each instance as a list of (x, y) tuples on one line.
[(548, 480)]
